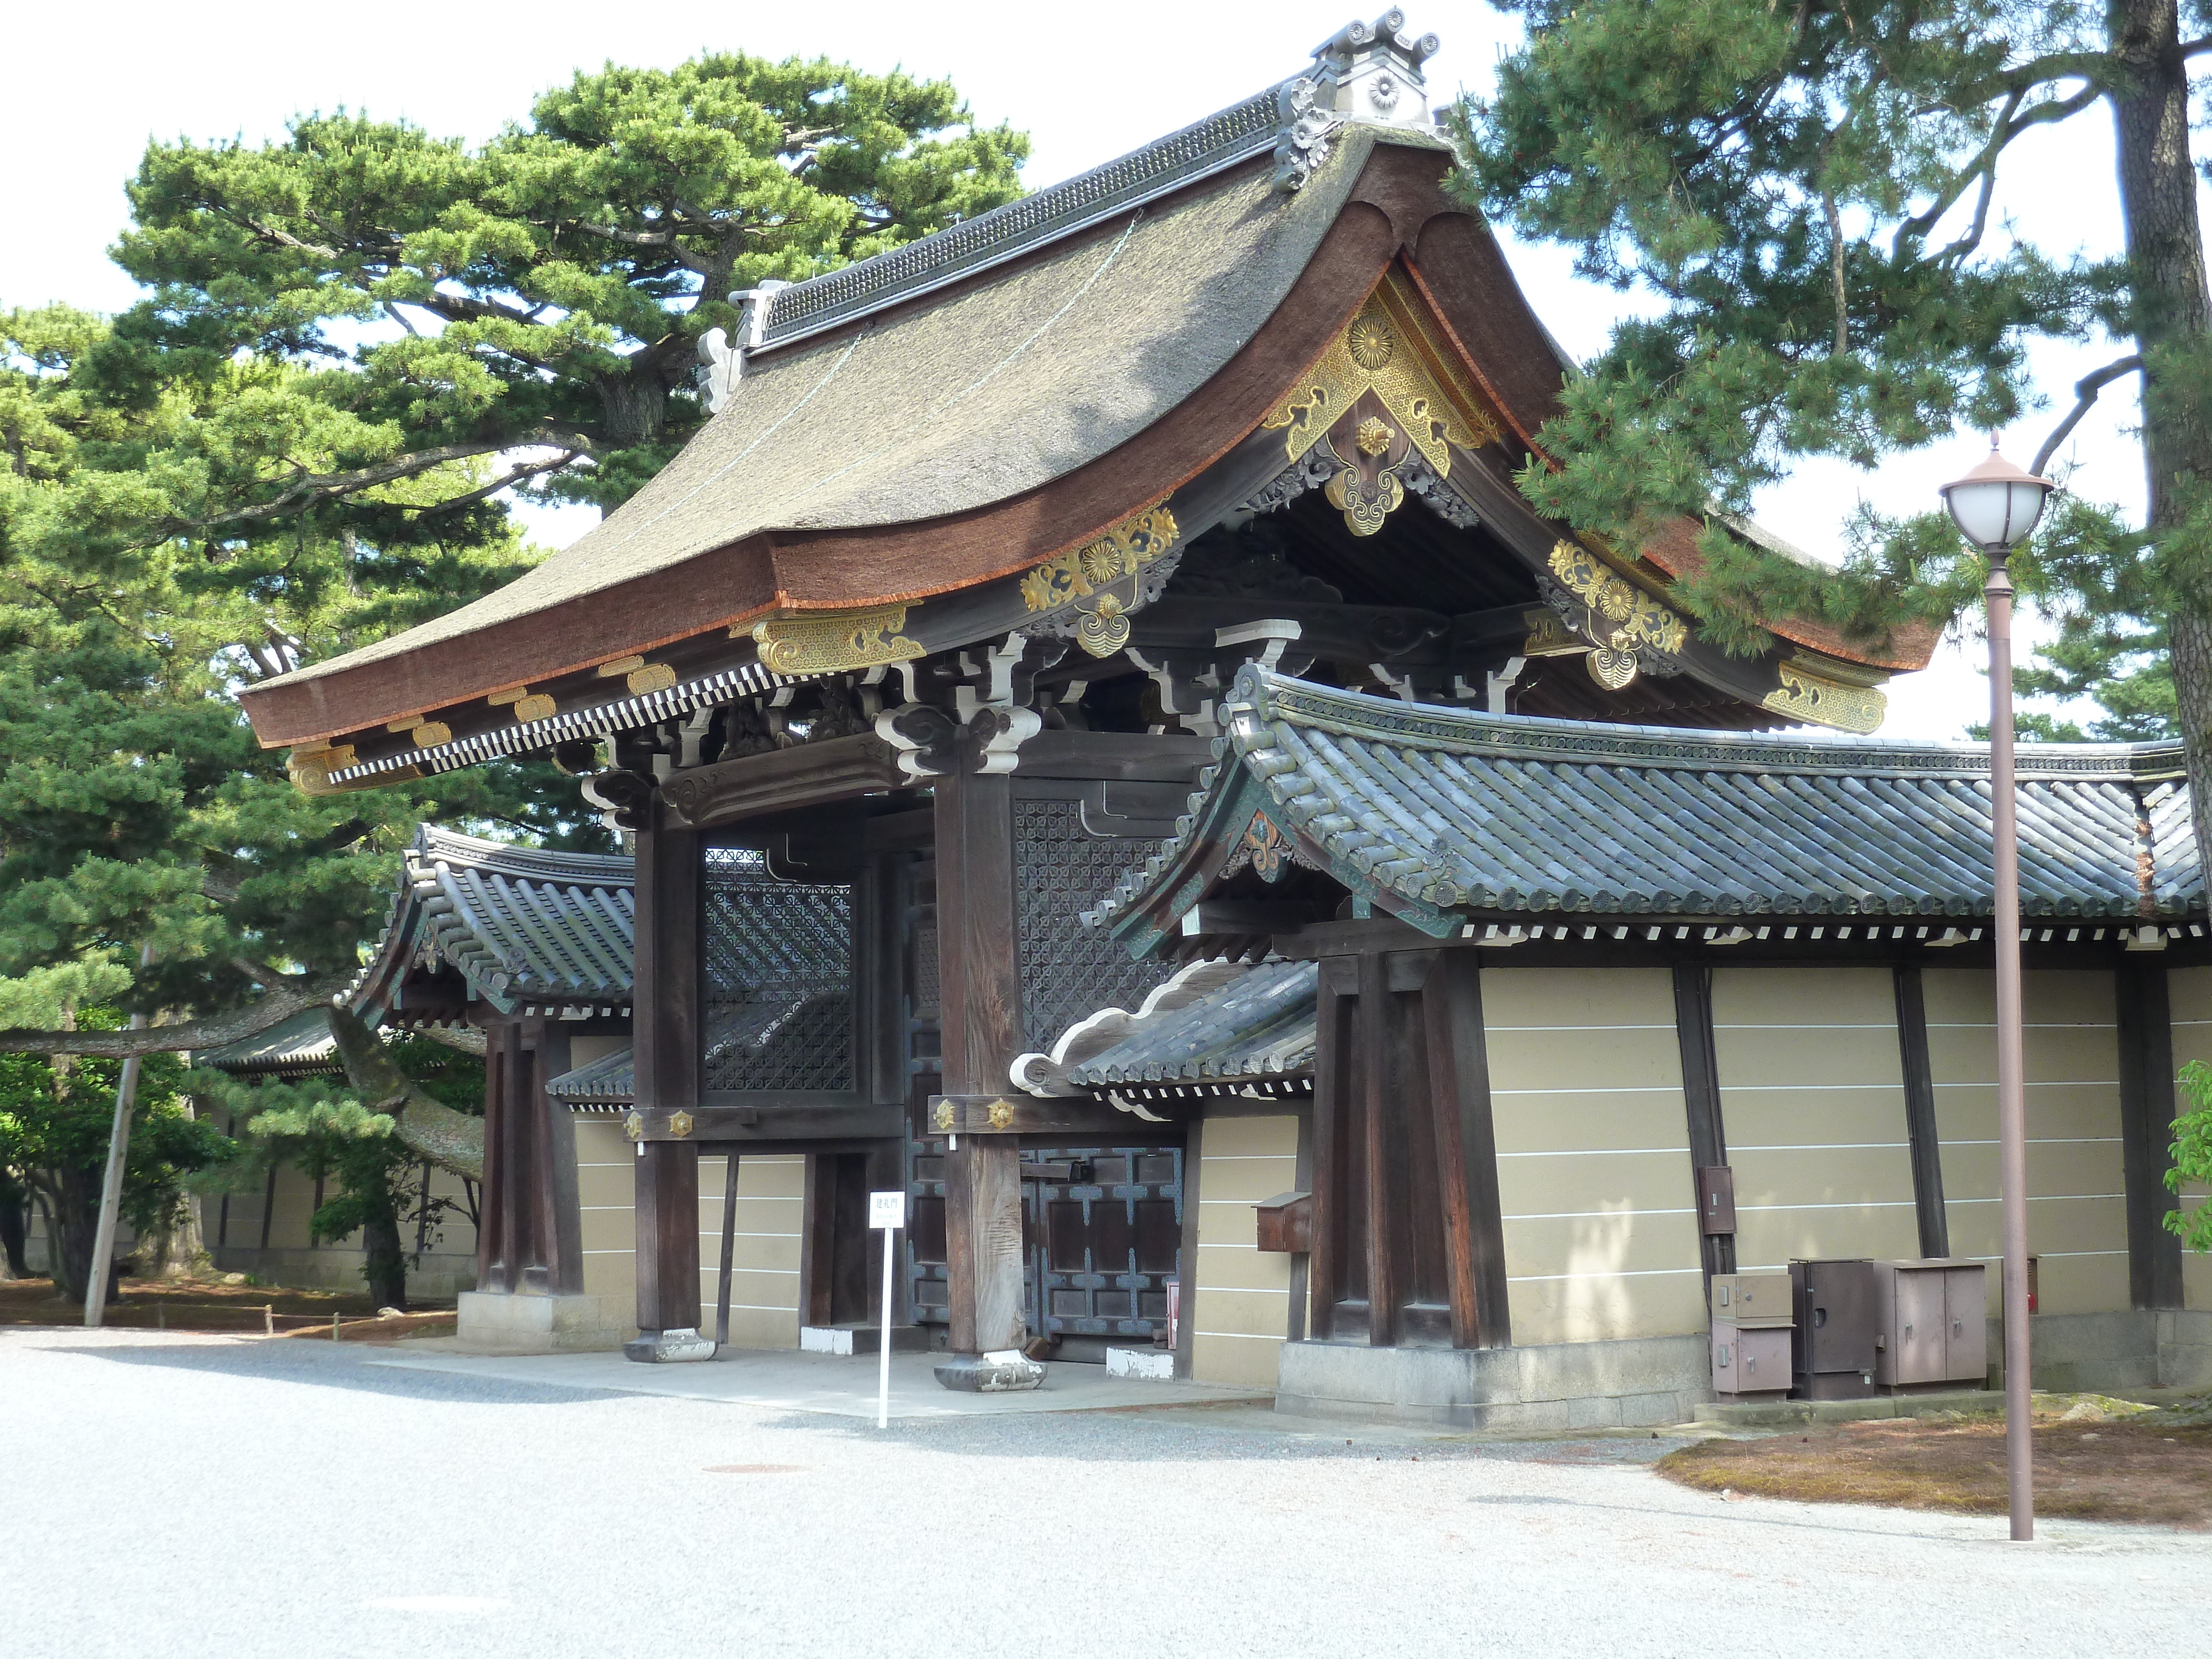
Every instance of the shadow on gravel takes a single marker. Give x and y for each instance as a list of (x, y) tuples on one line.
[(336, 1367)]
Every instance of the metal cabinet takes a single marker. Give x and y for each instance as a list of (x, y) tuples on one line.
[(1930, 1322), (1834, 1300), (1750, 1359), (1752, 1299)]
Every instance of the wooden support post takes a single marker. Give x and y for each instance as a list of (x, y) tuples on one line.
[(1370, 1089), (979, 972), (1701, 1095), (2146, 1038), (729, 1244), (666, 1044), (1329, 1275), (1920, 1114), (1466, 1144)]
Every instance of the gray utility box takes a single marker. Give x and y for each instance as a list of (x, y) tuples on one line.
[(1834, 1301), (1750, 1359), (1930, 1324), (1753, 1300)]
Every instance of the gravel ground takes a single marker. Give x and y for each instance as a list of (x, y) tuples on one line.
[(183, 1496)]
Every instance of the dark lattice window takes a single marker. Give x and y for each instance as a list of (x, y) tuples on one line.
[(1069, 970), (779, 973)]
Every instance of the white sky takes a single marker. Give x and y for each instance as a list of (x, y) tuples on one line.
[(1087, 83)]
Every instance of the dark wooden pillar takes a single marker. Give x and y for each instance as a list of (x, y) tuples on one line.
[(1335, 1274), (1701, 1096), (496, 1267), (979, 989), (666, 1046), (1466, 1141), (2146, 1034), (1920, 1114)]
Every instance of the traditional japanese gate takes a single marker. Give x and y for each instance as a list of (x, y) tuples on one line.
[(1102, 1235)]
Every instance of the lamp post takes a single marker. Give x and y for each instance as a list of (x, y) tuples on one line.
[(1995, 506)]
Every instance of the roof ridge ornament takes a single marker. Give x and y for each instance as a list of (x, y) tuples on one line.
[(1363, 72)]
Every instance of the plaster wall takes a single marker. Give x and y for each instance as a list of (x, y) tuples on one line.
[(2076, 1191), (1811, 1085), (764, 1258), (1593, 1154), (2188, 991), (1241, 1313), (606, 1198), (232, 1234)]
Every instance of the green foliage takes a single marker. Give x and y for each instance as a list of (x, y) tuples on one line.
[(318, 1125), (1805, 192), (550, 288), (55, 1117), (2193, 1157), (136, 808)]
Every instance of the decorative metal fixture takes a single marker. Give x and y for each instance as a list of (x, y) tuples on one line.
[(1995, 506)]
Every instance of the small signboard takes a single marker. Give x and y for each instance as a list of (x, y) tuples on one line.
[(886, 1210)]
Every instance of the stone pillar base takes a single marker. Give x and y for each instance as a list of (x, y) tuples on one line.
[(503, 1322), (668, 1348), (1006, 1372)]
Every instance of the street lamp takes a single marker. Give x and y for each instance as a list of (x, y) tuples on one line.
[(1995, 506)]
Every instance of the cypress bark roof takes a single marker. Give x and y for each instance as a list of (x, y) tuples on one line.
[(1437, 814)]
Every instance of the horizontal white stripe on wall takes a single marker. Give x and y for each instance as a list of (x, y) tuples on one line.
[(1570, 1094), (2039, 1198), (2049, 1141), (1587, 1215), (1248, 1290), (1249, 1157), (1868, 1204), (1593, 1026), (1835, 1147), (1240, 1336), (1625, 1273), (1602, 1152), (2046, 1083)]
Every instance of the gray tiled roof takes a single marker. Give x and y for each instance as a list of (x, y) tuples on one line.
[(1260, 1024), (736, 1033), (525, 927), (302, 1047), (1434, 813)]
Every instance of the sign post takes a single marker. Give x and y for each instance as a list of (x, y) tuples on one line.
[(888, 1211)]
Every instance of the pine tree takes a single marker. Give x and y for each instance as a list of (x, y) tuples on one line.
[(1806, 190)]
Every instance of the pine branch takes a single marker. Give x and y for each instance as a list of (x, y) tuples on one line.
[(282, 1002), (2085, 394)]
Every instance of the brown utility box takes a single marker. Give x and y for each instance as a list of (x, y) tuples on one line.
[(1930, 1324), (1753, 1300), (1715, 1199), (1286, 1222), (1834, 1352), (1750, 1359)]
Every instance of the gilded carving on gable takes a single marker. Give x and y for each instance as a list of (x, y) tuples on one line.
[(1622, 623), (1104, 579), (830, 641), (1819, 701)]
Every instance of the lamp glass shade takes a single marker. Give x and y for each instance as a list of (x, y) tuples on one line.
[(1996, 504)]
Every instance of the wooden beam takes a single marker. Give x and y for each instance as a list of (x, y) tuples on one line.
[(1701, 1097), (1467, 1151), (1019, 1113), (808, 775), (729, 1246), (766, 1123), (1301, 1263), (2146, 1039), (1920, 1114), (1186, 1347)]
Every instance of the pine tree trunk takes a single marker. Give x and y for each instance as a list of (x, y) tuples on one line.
[(385, 1269), (15, 1230), (76, 1218), (2172, 317)]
